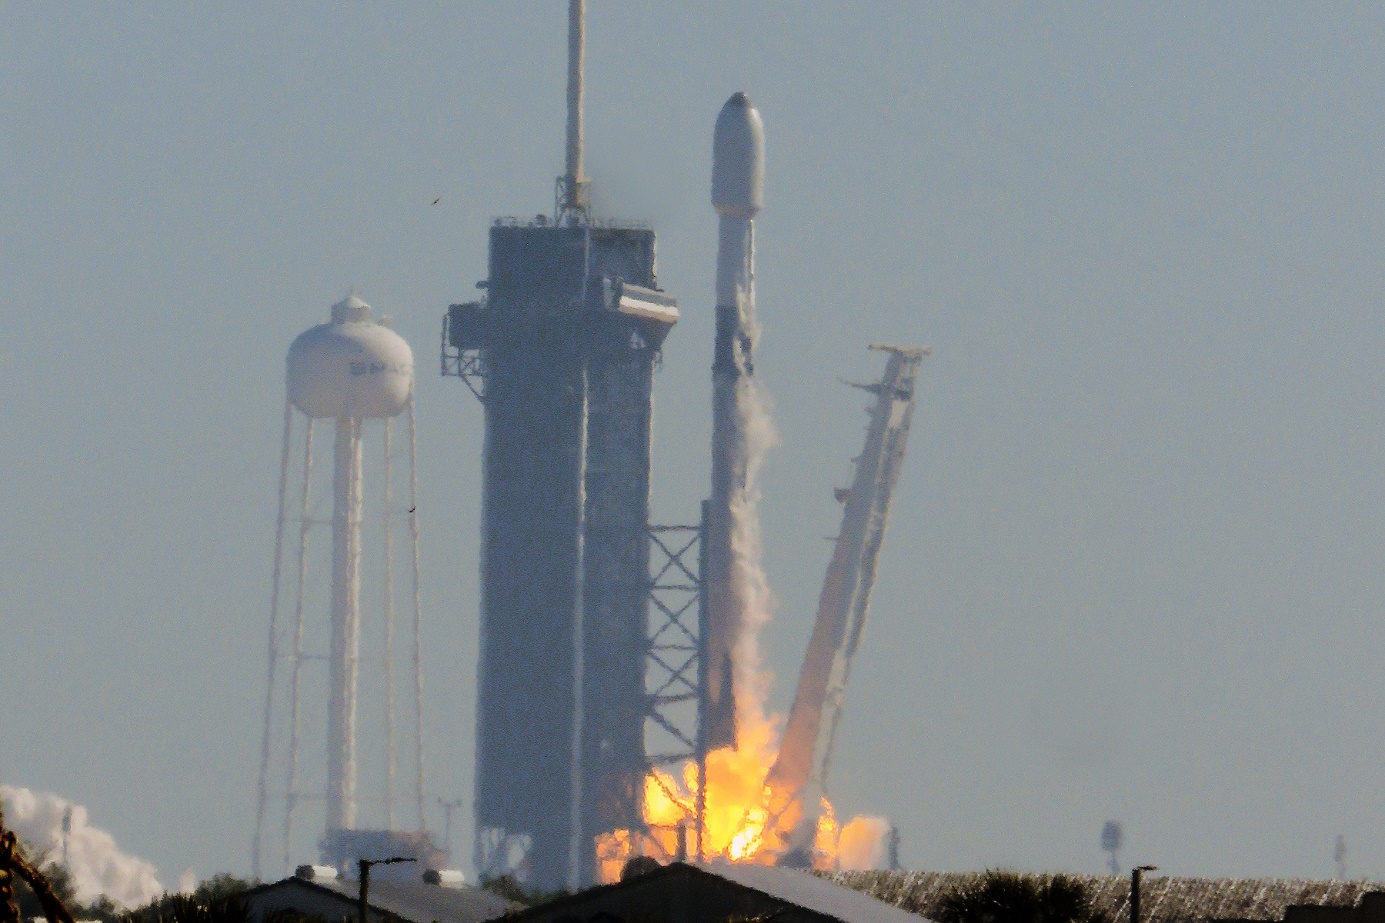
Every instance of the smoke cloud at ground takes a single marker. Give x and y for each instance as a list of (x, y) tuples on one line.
[(862, 844), (98, 866)]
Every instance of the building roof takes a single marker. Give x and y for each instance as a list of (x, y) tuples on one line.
[(811, 892), (684, 893), (404, 901), (1162, 899)]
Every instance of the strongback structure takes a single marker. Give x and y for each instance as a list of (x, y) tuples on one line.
[(561, 351), (799, 774)]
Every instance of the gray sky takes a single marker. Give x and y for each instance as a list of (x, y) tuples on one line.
[(1133, 566)]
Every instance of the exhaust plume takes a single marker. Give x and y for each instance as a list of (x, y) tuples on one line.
[(863, 844), (98, 867), (743, 824), (749, 583)]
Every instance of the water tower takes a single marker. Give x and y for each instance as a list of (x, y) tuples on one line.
[(350, 370), (1112, 837)]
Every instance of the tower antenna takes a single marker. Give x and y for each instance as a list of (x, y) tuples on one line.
[(574, 190)]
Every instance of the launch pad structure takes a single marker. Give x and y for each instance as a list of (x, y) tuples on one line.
[(565, 343), (561, 352), (607, 644)]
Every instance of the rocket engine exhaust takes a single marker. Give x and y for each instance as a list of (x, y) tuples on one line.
[(738, 174)]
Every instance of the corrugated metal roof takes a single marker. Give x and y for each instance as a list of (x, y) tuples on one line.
[(681, 891), (1162, 899), (414, 902), (812, 893)]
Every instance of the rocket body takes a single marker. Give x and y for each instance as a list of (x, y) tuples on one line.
[(738, 170)]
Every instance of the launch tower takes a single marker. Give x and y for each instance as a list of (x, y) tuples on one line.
[(561, 352)]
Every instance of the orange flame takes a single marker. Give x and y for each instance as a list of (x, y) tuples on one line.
[(743, 821)]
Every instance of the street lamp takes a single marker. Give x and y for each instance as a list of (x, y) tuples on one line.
[(362, 907), (1134, 890)]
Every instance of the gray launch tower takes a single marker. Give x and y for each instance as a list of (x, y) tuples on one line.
[(561, 351)]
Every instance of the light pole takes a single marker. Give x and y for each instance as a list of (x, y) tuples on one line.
[(362, 901), (448, 807), (1134, 890)]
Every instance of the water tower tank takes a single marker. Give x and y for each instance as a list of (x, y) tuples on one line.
[(350, 367)]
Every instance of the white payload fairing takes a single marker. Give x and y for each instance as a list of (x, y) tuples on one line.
[(738, 179)]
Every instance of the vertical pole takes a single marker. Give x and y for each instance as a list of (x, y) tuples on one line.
[(391, 756), (263, 788), (702, 673), (447, 808), (1135, 876), (290, 791), (418, 614), (1135, 896), (344, 663), (574, 193), (577, 848), (576, 52), (363, 896)]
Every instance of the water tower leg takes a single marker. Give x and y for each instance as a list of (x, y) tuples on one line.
[(263, 789), (391, 754), (344, 664), (418, 614), (296, 672)]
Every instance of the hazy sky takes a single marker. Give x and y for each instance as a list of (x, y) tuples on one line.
[(1134, 563)]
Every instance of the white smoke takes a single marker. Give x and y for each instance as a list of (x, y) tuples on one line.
[(97, 865), (863, 844), (749, 583)]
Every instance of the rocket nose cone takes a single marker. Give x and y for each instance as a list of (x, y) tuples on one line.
[(738, 159)]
